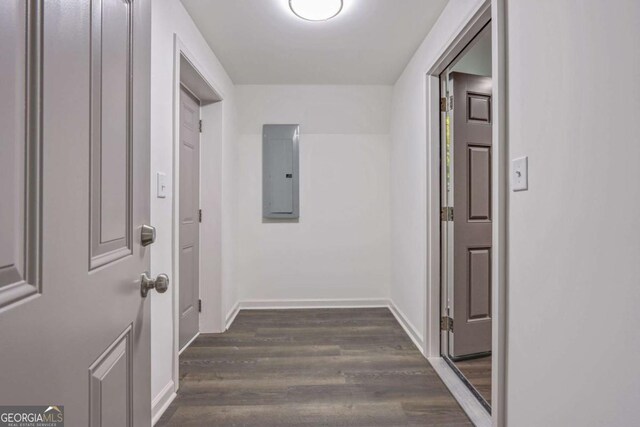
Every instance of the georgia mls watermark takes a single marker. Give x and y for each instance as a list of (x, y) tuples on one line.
[(32, 416)]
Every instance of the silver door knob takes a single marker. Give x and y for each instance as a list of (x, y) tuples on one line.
[(160, 284)]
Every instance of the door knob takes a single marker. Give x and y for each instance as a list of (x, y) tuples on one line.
[(147, 235), (160, 284)]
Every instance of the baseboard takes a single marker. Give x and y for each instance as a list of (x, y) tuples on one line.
[(231, 316), (162, 401), (186, 346), (408, 327), (468, 402), (313, 303)]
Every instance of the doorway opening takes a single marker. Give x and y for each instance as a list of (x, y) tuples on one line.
[(466, 231), (197, 205), (196, 163), (189, 217)]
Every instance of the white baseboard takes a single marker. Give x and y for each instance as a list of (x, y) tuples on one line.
[(313, 303), (162, 401), (180, 351), (231, 316), (468, 402), (408, 327)]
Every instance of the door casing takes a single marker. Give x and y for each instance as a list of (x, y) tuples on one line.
[(214, 94), (494, 11)]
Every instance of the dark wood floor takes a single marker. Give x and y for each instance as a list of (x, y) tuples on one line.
[(339, 367), (478, 373)]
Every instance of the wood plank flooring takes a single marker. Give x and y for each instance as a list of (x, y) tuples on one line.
[(337, 367), (478, 373)]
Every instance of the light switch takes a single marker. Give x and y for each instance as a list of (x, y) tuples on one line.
[(162, 185), (520, 174)]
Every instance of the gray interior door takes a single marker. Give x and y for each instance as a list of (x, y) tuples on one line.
[(472, 214), (74, 141), (189, 217)]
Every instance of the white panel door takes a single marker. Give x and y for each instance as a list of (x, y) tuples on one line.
[(74, 141)]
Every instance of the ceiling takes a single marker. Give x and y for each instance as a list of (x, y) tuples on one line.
[(263, 42)]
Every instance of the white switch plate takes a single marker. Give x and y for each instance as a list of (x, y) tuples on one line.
[(520, 174), (162, 185)]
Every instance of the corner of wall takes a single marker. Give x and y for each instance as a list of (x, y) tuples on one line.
[(231, 315), (408, 327)]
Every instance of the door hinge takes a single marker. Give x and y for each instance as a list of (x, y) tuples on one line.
[(446, 214), (199, 306), (199, 215), (200, 126), (446, 324), (446, 106)]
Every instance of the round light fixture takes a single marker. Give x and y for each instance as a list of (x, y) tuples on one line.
[(316, 10)]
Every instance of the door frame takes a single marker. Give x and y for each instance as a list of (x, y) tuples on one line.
[(494, 11), (208, 84)]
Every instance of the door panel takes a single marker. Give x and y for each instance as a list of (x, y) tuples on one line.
[(19, 156), (479, 107), (110, 131), (472, 214), (110, 376), (189, 217), (82, 340), (479, 183), (479, 289)]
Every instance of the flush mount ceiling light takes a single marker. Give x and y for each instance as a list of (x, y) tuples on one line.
[(316, 10)]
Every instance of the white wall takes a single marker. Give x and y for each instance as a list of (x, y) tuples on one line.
[(574, 239), (574, 244), (169, 17), (339, 248), (409, 168)]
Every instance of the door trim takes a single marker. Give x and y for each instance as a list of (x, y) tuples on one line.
[(494, 11), (181, 51)]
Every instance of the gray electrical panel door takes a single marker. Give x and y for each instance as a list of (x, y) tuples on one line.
[(280, 171)]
